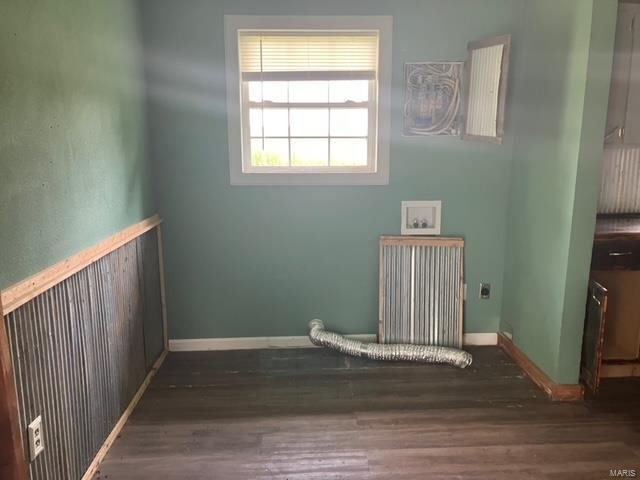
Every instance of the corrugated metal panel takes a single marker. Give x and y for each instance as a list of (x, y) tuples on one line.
[(80, 352), (484, 88), (620, 190), (422, 294)]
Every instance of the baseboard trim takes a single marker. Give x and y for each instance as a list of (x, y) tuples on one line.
[(254, 343), (480, 339), (248, 343), (555, 391), (102, 453)]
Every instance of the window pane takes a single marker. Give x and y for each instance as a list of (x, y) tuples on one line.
[(341, 91), (349, 152), (349, 122), (309, 152), (256, 152), (276, 122), (255, 91), (274, 154), (309, 92), (275, 91), (255, 122), (309, 122)]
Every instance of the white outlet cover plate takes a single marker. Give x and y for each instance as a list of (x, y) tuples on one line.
[(427, 214), (36, 441)]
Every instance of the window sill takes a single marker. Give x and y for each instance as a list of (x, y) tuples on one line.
[(320, 179)]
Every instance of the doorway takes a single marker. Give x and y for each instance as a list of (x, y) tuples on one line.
[(611, 341)]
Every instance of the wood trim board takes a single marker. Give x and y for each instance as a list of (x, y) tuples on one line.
[(25, 291), (422, 241), (381, 287), (12, 456), (463, 295), (104, 450), (555, 391), (163, 291)]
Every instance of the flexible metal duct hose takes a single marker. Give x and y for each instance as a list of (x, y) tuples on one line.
[(377, 351)]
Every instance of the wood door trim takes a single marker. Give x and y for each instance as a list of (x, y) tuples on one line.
[(26, 290), (555, 391), (13, 464)]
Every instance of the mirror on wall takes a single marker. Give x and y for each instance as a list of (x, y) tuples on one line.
[(487, 77)]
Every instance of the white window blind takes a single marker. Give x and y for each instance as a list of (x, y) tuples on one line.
[(273, 55)]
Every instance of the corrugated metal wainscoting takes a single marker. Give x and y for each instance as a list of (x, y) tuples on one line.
[(620, 190), (81, 350), (422, 289)]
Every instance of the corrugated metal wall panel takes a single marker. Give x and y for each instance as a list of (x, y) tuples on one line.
[(422, 293), (620, 190), (80, 352)]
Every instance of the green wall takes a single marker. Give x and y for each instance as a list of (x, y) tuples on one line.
[(72, 159), (256, 261), (561, 77)]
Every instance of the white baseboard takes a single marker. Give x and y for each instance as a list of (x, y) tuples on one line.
[(253, 343), (480, 339), (249, 343)]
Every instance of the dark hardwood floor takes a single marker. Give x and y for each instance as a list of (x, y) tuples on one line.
[(316, 414)]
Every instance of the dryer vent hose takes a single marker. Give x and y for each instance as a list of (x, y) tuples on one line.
[(378, 351)]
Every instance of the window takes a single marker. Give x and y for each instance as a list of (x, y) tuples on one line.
[(308, 99)]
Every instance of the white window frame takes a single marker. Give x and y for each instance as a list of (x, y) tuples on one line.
[(243, 174)]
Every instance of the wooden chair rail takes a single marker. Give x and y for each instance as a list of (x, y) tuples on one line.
[(25, 291)]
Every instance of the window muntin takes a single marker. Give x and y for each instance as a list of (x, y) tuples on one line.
[(308, 101), (328, 124)]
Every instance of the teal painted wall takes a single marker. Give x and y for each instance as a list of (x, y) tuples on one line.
[(72, 159), (562, 69), (254, 261)]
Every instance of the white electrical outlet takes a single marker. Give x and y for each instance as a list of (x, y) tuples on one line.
[(36, 438)]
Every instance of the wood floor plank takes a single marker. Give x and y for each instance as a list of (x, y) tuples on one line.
[(316, 414)]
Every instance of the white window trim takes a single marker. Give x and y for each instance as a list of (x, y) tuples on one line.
[(384, 24)]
